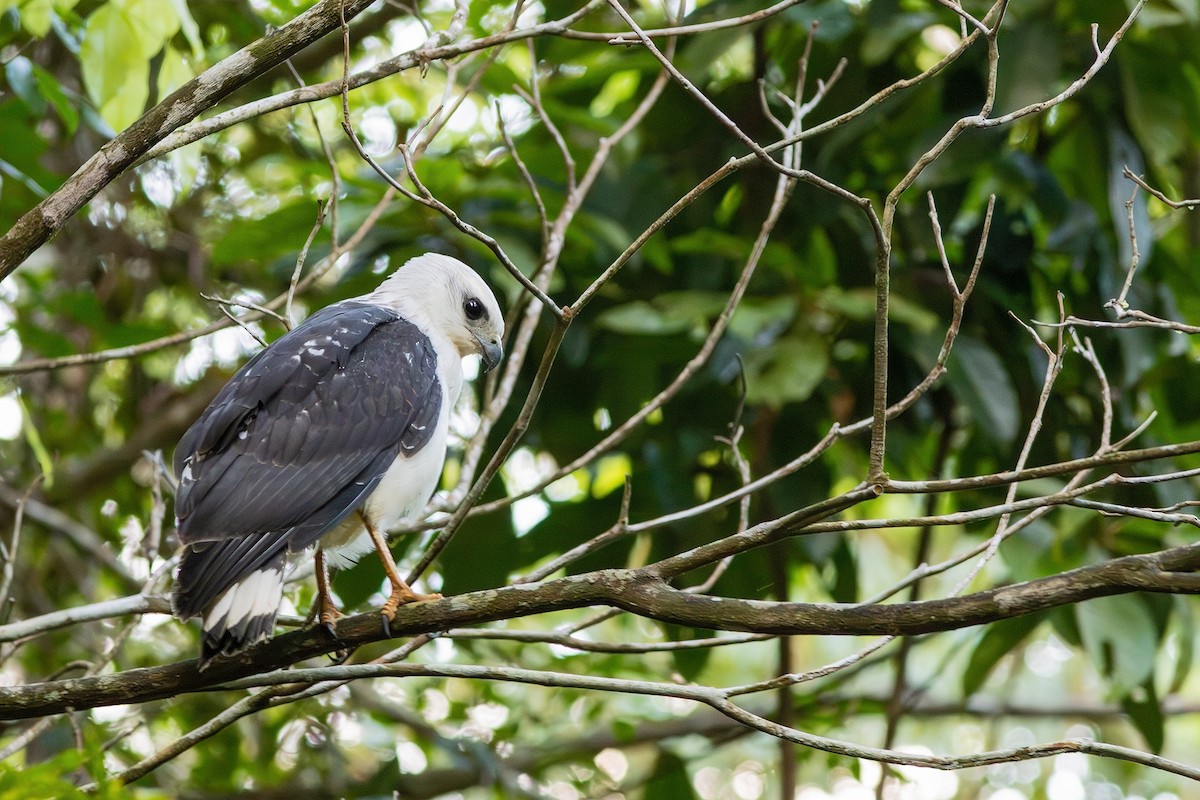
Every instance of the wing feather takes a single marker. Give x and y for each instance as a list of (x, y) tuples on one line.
[(297, 440)]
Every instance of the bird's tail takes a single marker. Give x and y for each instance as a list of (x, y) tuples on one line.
[(235, 614)]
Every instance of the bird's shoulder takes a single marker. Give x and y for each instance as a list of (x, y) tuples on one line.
[(346, 354)]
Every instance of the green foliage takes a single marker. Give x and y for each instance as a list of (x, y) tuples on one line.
[(119, 40), (1121, 638), (46, 781), (1145, 711), (227, 217), (997, 641), (669, 779), (57, 778)]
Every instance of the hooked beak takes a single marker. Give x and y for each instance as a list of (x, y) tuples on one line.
[(492, 352)]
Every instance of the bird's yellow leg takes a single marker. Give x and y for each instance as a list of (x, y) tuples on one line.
[(327, 611), (401, 594)]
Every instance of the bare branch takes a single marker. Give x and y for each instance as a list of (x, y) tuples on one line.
[(715, 699), (639, 591), (1175, 204), (105, 609), (689, 30)]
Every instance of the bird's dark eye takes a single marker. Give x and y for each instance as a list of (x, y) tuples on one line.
[(473, 308)]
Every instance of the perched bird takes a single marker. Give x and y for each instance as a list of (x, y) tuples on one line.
[(330, 436)]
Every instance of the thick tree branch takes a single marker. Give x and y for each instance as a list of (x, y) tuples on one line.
[(639, 591)]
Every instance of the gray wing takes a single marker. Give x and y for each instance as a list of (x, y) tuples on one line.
[(297, 440)]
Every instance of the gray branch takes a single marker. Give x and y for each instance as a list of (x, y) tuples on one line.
[(637, 590)]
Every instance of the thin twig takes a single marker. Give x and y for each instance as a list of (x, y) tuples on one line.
[(1176, 204), (322, 208), (9, 553)]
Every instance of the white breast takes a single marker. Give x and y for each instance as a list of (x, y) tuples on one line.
[(408, 484)]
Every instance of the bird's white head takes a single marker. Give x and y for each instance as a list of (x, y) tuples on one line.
[(443, 295)]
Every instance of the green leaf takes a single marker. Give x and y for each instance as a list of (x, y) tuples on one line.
[(787, 371), (483, 553), (119, 40), (173, 73), (709, 242), (702, 54), (979, 380), (859, 304), (43, 340), (187, 24), (43, 781), (997, 641), (1041, 549), (51, 90), (619, 87), (34, 439), (669, 779), (694, 306), (1121, 638), (114, 71), (640, 318), (154, 22), (127, 334), (84, 307), (1185, 625), (834, 17), (755, 316), (731, 201), (1145, 712), (882, 40), (689, 663), (37, 16), (19, 73), (819, 260), (844, 563), (280, 233), (1150, 92), (10, 170), (623, 730)]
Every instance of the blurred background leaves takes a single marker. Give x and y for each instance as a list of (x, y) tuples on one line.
[(227, 217)]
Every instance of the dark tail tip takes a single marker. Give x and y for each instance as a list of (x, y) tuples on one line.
[(238, 606), (221, 640)]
